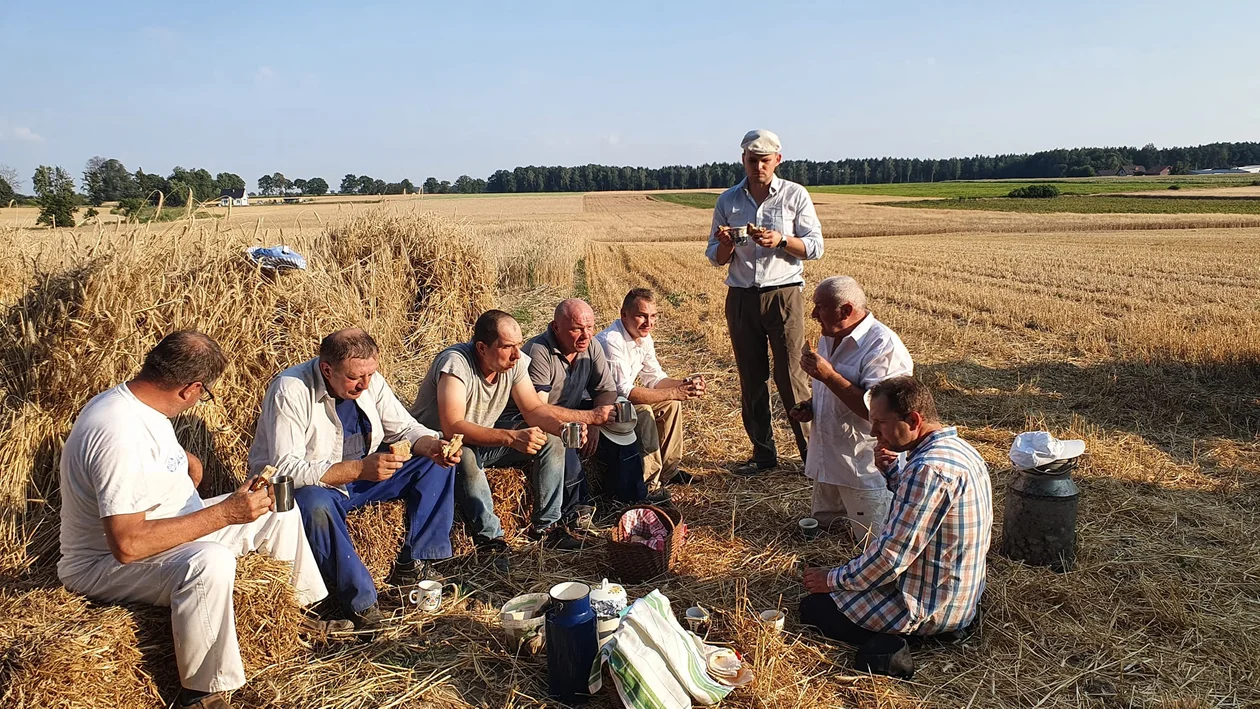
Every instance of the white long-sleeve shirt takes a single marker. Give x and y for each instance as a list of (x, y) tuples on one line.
[(841, 447), (787, 210), (299, 431), (630, 360)]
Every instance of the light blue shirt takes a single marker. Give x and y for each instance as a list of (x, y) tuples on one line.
[(787, 210)]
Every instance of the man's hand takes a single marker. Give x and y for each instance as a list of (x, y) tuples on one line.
[(803, 412), (245, 505), (529, 440), (768, 238), (813, 365), (885, 459), (724, 236), (698, 384), (431, 448), (816, 580), (590, 444), (601, 415), (380, 466)]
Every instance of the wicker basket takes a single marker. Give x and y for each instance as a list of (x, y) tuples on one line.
[(629, 562)]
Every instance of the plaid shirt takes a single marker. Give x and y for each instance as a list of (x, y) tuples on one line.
[(925, 573)]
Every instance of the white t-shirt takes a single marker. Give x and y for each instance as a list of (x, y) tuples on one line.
[(121, 457)]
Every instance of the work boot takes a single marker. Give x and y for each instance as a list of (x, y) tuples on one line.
[(496, 551), (189, 699), (753, 467), (369, 619), (410, 573), (682, 477), (556, 537)]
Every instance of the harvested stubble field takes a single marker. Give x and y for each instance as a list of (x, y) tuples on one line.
[(1131, 331)]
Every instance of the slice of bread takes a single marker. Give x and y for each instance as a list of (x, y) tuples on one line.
[(401, 449), (455, 445)]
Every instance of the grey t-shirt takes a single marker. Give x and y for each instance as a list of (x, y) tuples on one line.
[(566, 383), (484, 402)]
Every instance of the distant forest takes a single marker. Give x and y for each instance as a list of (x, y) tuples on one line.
[(1076, 162)]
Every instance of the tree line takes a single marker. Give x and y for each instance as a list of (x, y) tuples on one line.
[(108, 180)]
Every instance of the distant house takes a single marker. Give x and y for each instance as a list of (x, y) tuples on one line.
[(233, 198), (1135, 170), (1107, 173), (1158, 170)]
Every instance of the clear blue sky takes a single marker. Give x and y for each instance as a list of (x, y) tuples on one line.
[(413, 89)]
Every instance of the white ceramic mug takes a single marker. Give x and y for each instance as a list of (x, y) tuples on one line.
[(772, 620), (697, 618), (427, 595)]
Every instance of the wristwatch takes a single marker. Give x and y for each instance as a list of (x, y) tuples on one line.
[(782, 244)]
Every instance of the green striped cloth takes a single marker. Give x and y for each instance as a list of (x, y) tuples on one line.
[(654, 662)]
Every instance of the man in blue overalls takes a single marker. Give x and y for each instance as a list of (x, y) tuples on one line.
[(323, 423)]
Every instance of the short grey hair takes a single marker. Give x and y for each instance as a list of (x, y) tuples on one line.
[(838, 290)]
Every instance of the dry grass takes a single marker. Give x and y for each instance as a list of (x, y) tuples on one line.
[(1140, 341)]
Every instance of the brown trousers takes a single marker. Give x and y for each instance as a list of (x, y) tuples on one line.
[(776, 318), (660, 438)]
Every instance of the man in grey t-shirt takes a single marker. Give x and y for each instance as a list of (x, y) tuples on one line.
[(567, 371), (465, 391)]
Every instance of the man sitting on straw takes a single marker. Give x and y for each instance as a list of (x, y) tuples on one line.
[(628, 346), (924, 574), (855, 353), (134, 529), (467, 388), (323, 423), (570, 373)]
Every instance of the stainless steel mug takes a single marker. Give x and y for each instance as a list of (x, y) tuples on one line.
[(624, 411), (571, 435), (739, 235), (282, 488)]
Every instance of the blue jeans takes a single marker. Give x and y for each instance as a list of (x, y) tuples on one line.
[(549, 476), (429, 493)]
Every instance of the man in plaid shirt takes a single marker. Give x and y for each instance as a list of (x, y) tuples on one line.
[(925, 573)]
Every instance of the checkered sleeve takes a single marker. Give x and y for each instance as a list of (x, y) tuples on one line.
[(922, 502)]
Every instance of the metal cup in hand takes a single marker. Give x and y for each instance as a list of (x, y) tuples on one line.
[(739, 235), (282, 488), (571, 435), (624, 411)]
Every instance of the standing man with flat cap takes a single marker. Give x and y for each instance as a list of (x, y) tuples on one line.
[(764, 305)]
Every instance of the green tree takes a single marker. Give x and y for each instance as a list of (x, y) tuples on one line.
[(54, 193), (300, 185), (349, 184), (407, 187), (10, 175), (430, 185), (107, 180), (316, 186), (266, 185), (6, 192), (365, 185), (228, 181), (151, 186), (280, 183)]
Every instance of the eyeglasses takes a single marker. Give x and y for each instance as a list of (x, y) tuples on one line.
[(207, 396)]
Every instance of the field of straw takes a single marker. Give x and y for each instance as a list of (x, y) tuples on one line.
[(1134, 332)]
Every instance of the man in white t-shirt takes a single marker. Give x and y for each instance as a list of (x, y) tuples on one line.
[(133, 527), (631, 353), (855, 353)]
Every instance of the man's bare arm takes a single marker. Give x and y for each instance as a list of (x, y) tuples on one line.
[(131, 537)]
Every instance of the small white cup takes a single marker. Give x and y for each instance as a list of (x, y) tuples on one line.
[(427, 595), (772, 620), (697, 618)]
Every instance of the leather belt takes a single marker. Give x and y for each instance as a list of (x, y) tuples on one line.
[(767, 289)]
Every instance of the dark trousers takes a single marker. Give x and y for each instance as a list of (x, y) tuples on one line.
[(429, 492), (820, 610), (774, 319), (623, 470)]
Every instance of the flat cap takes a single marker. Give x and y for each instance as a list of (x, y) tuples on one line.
[(760, 142)]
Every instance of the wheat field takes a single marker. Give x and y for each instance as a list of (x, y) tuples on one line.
[(1134, 332)]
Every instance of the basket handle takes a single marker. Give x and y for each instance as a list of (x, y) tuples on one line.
[(665, 519)]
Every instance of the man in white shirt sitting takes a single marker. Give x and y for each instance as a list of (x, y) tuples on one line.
[(855, 353), (134, 529), (323, 422), (630, 351)]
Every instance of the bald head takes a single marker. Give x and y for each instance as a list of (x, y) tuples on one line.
[(573, 325), (350, 343)]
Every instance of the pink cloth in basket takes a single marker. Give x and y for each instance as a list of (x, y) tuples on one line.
[(643, 526)]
